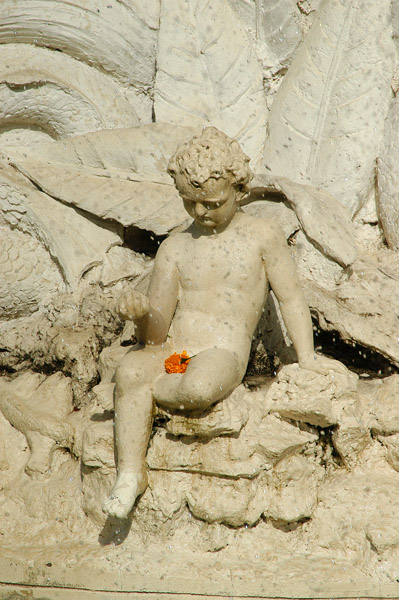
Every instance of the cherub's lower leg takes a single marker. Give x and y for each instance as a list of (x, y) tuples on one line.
[(133, 422)]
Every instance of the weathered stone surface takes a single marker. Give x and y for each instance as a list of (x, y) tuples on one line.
[(384, 412), (29, 278), (225, 456), (295, 482), (226, 418), (305, 396), (79, 31), (96, 484), (208, 73), (350, 438), (168, 492), (278, 439), (105, 395), (108, 360), (274, 28), (388, 177), (98, 445), (262, 442), (39, 414), (233, 502), (391, 442), (263, 204), (321, 216), (383, 536), (364, 307), (319, 125), (4, 464), (117, 175), (64, 96), (74, 242), (78, 349), (121, 264)]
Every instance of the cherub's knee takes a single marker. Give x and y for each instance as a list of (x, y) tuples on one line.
[(199, 394), (130, 371)]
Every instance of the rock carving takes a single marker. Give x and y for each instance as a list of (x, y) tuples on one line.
[(285, 474), (199, 299)]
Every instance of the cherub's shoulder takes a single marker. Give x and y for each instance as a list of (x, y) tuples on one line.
[(171, 245), (266, 229)]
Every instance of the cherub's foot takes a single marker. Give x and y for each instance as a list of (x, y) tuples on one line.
[(128, 487)]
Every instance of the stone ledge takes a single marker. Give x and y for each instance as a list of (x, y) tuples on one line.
[(68, 583)]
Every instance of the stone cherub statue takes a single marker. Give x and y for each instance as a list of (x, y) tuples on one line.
[(206, 295)]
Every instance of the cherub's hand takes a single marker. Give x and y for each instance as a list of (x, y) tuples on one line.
[(133, 305), (322, 364)]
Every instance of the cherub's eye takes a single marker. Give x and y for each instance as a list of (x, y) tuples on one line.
[(195, 184)]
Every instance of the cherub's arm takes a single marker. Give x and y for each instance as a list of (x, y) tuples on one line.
[(283, 279), (153, 313)]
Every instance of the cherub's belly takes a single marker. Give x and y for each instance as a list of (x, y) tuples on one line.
[(195, 331)]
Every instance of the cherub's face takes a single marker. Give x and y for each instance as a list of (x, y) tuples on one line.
[(212, 205)]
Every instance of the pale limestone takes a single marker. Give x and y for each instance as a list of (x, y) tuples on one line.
[(274, 28), (261, 444), (350, 438), (233, 502), (385, 408), (294, 494), (29, 276), (350, 530), (387, 175), (391, 442), (66, 97), (226, 418), (75, 242), (39, 414), (319, 123), (309, 397), (98, 445), (363, 308), (323, 219), (131, 29), (200, 82), (121, 264)]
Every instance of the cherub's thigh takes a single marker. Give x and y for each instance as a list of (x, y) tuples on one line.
[(211, 375), (141, 364)]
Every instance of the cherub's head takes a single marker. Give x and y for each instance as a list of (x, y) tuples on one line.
[(212, 175)]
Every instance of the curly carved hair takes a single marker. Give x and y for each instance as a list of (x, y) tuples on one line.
[(212, 154)]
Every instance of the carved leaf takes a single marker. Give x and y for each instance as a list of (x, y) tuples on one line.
[(117, 175), (74, 242), (323, 219), (208, 72), (327, 117), (273, 25)]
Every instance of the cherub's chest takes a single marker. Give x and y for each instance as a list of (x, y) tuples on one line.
[(214, 263)]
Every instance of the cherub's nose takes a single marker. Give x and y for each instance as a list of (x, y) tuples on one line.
[(200, 209)]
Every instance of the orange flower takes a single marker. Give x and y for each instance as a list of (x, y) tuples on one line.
[(177, 363)]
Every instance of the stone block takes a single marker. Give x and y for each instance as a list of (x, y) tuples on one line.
[(225, 418), (98, 445), (384, 411), (302, 395), (295, 481)]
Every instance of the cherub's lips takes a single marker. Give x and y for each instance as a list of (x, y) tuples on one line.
[(205, 220)]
